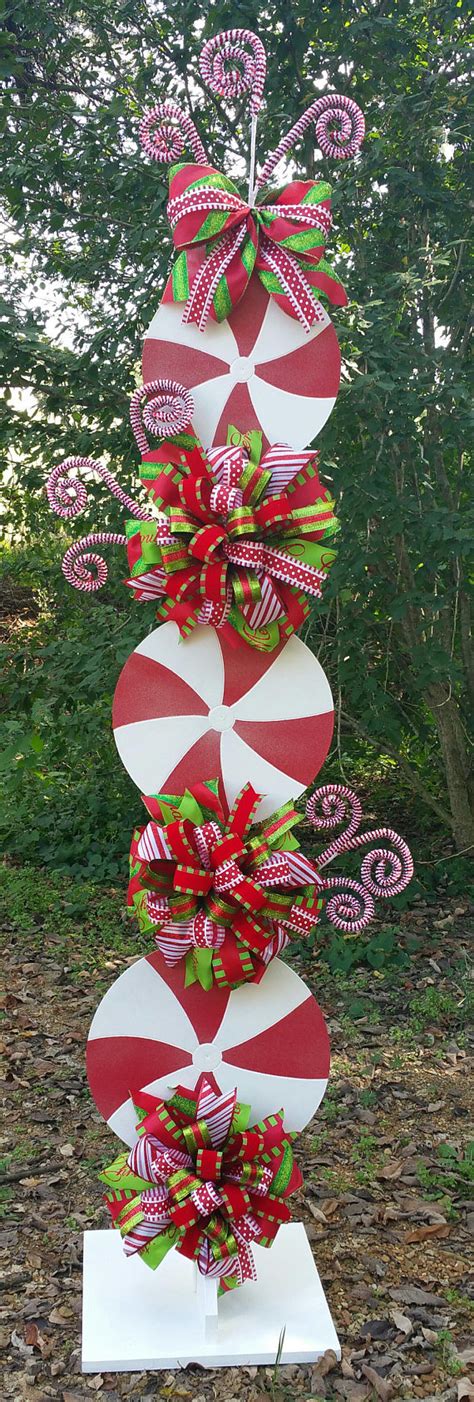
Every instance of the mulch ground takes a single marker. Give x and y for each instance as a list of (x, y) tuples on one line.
[(386, 1201)]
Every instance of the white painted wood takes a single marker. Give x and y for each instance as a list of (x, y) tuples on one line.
[(290, 381), (156, 744), (135, 1318), (207, 1305)]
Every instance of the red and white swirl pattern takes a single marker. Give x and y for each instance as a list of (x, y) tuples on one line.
[(165, 132), (259, 369), (163, 406), (340, 130), (233, 63), (67, 495), (152, 1033)]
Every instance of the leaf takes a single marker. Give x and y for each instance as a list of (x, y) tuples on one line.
[(402, 1322), (438, 1229), (392, 1169), (383, 1387)]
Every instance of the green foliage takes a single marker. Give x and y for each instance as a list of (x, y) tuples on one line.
[(454, 1170), (86, 262)]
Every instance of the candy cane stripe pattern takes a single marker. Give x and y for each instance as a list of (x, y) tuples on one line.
[(258, 369), (166, 131), (150, 1033), (189, 712), (78, 559), (233, 63), (339, 126), (67, 495)]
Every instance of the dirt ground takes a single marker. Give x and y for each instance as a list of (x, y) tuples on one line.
[(388, 1201)]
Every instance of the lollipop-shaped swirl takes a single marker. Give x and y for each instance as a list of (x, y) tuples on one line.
[(351, 908), (334, 800), (339, 126), (383, 872), (167, 409), (67, 495), (165, 132), (78, 559), (233, 63)]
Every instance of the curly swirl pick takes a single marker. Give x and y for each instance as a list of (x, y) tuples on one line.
[(165, 132), (340, 130), (233, 63), (67, 495), (78, 558), (351, 908), (384, 872), (163, 406)]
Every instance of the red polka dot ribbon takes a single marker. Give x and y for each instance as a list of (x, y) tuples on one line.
[(221, 240)]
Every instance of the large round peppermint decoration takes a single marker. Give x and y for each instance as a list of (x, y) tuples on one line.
[(258, 369), (205, 709), (149, 1033)]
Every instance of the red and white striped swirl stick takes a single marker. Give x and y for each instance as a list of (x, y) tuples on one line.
[(340, 130), (233, 63), (166, 131)]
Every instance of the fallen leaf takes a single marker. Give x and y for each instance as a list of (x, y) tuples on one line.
[(329, 1206), (67, 1150), (60, 1315), (316, 1212), (382, 1386), (347, 1369), (430, 1336), (412, 1295), (20, 1344), (465, 1388), (439, 1229), (326, 1363), (402, 1322), (392, 1169), (376, 1328), (33, 1336)]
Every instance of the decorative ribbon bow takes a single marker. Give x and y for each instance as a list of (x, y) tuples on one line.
[(223, 893), (222, 240), (201, 1180), (245, 535)]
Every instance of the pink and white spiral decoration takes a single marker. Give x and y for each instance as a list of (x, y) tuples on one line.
[(234, 63), (385, 871), (162, 406), (339, 129), (67, 495), (80, 562), (166, 132), (86, 570)]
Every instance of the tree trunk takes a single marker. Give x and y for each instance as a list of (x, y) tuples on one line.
[(458, 771)]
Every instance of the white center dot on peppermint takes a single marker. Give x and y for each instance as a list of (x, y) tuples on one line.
[(207, 1057), (242, 369), (221, 718)]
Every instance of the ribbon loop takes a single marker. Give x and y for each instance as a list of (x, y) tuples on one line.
[(221, 239)]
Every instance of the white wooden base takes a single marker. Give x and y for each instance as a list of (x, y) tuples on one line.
[(135, 1318)]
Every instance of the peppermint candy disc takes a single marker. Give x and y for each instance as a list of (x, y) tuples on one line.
[(258, 369), (204, 709), (149, 1033)]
